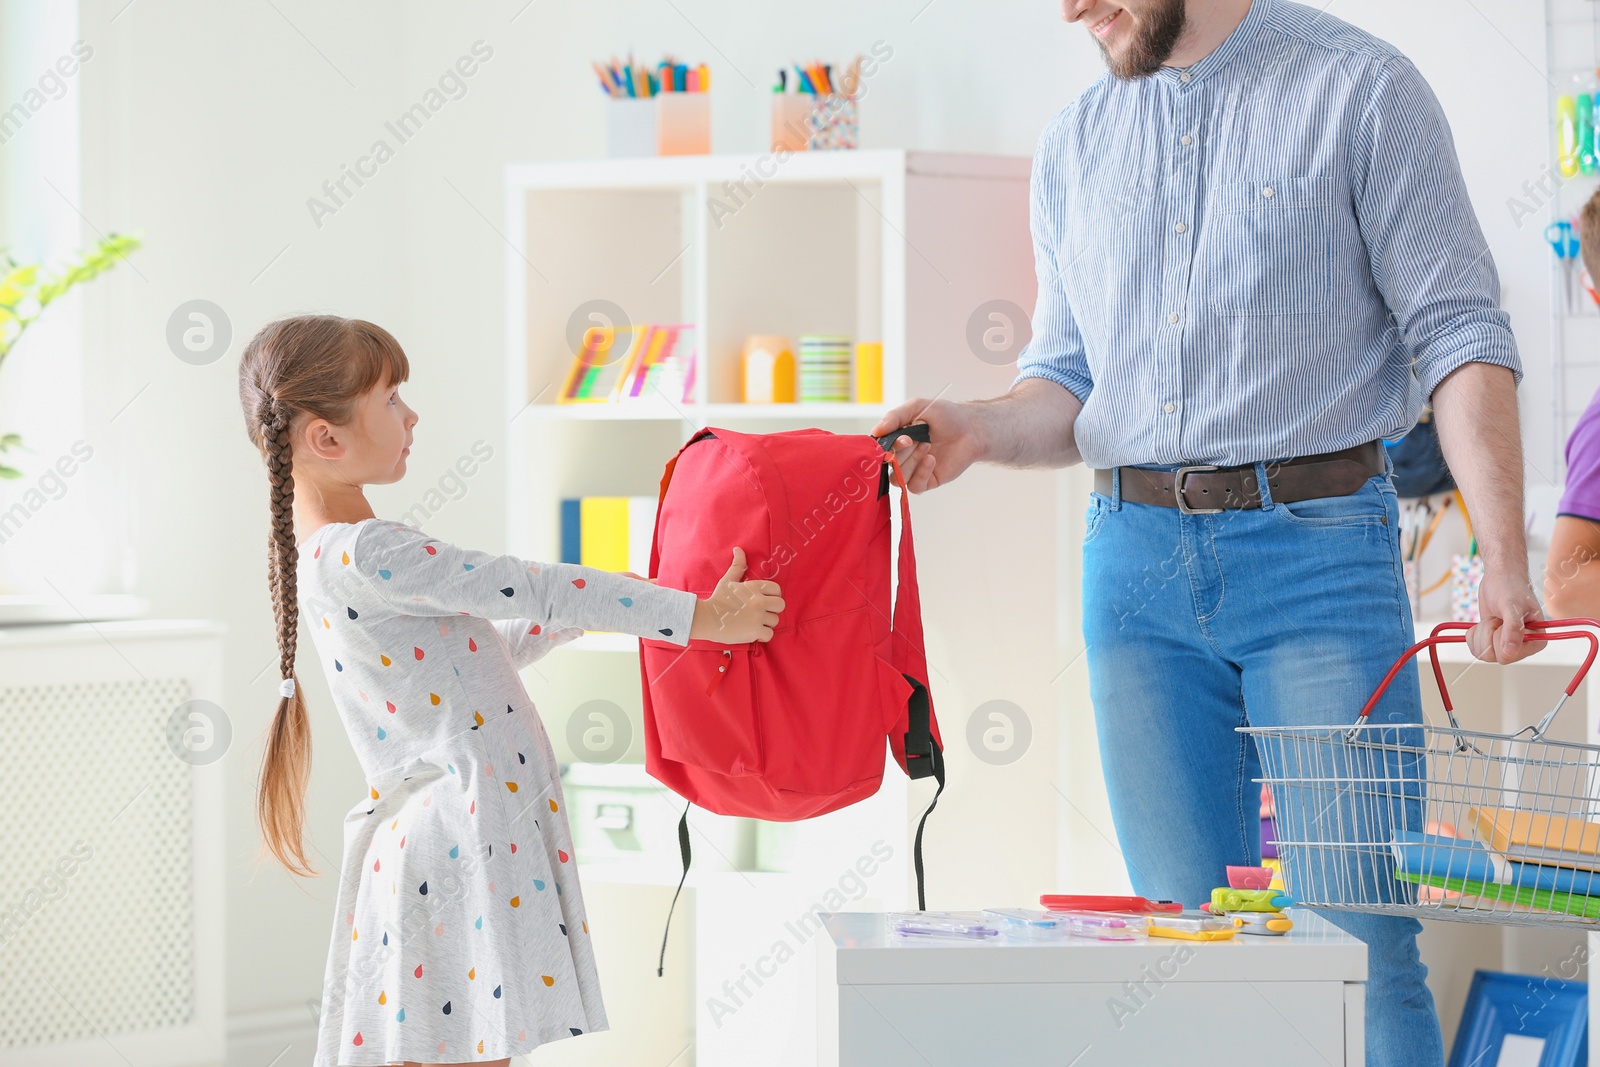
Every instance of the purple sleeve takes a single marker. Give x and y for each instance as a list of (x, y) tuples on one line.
[(1582, 494)]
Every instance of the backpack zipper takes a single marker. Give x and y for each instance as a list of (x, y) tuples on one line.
[(722, 670)]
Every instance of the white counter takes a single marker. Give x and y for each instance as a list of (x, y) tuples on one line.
[(886, 1002)]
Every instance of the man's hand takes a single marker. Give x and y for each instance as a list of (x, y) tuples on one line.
[(1505, 604), (953, 441), (1031, 426), (737, 612)]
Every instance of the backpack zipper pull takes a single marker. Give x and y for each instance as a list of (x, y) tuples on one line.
[(722, 670)]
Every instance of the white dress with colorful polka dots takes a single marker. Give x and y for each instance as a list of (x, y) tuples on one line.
[(460, 932)]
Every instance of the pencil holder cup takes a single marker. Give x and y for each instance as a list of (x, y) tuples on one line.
[(1465, 574), (668, 124), (805, 122)]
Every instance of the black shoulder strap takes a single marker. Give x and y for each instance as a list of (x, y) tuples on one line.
[(683, 849), (923, 758)]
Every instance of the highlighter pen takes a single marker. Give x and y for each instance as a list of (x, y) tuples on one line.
[(1567, 135), (1586, 160), (1595, 143)]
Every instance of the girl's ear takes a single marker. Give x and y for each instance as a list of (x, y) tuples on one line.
[(323, 439)]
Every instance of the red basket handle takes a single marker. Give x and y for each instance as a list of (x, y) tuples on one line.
[(1439, 637)]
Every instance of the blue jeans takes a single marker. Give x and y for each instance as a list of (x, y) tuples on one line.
[(1285, 616)]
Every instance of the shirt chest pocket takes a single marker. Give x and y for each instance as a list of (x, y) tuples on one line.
[(1269, 246)]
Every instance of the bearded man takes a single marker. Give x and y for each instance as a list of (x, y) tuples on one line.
[(1256, 260)]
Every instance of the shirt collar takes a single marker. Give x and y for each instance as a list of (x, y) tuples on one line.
[(1236, 42)]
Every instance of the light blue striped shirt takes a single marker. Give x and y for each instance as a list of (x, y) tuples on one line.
[(1268, 254)]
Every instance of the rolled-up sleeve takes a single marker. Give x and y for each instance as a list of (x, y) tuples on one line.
[(1056, 350), (1428, 254)]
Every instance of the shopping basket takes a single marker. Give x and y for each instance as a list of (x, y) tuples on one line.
[(1440, 822)]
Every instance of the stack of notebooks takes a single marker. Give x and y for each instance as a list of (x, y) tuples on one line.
[(609, 533), (1519, 860), (824, 368)]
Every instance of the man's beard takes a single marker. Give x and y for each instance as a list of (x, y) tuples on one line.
[(1152, 45)]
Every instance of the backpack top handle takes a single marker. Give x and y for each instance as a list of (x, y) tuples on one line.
[(917, 431)]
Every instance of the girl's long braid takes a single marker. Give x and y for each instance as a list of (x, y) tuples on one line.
[(293, 373), (286, 759)]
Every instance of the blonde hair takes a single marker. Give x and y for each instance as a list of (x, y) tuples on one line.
[(292, 371), (1589, 236)]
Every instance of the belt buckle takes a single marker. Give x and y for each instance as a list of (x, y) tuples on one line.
[(1178, 477)]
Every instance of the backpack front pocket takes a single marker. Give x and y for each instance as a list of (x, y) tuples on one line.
[(706, 713)]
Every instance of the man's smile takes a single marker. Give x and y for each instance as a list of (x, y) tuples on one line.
[(1101, 28)]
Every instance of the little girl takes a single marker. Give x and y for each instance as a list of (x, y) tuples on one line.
[(460, 934)]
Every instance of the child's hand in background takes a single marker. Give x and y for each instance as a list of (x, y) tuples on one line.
[(737, 612)]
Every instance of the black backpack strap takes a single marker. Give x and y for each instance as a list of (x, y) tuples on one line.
[(683, 849), (923, 758), (920, 747)]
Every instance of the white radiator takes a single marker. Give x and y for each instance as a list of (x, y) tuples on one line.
[(111, 845)]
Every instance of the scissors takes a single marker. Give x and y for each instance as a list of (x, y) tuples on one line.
[(1565, 245)]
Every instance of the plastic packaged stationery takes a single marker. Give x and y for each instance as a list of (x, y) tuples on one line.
[(968, 925), (1192, 926), (1102, 927), (1031, 924)]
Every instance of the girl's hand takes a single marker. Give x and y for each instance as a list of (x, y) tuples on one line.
[(737, 612), (642, 578)]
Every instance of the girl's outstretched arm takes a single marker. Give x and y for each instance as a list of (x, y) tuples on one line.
[(416, 574)]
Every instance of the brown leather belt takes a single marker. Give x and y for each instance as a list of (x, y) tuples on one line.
[(1202, 489)]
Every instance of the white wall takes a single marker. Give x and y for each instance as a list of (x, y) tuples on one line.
[(207, 126)]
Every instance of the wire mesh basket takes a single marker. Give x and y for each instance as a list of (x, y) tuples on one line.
[(1440, 822)]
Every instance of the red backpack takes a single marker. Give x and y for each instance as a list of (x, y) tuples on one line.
[(794, 727)]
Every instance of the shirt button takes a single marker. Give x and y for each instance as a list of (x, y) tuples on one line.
[(1173, 318), (1182, 227), (1268, 191), (1186, 139), (1186, 76), (1169, 407)]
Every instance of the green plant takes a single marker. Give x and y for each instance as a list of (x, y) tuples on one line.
[(26, 290)]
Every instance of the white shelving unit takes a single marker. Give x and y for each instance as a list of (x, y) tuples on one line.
[(901, 247)]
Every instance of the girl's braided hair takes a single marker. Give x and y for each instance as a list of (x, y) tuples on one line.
[(293, 371)]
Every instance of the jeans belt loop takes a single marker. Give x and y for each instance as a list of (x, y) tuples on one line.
[(1263, 483), (1116, 488)]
